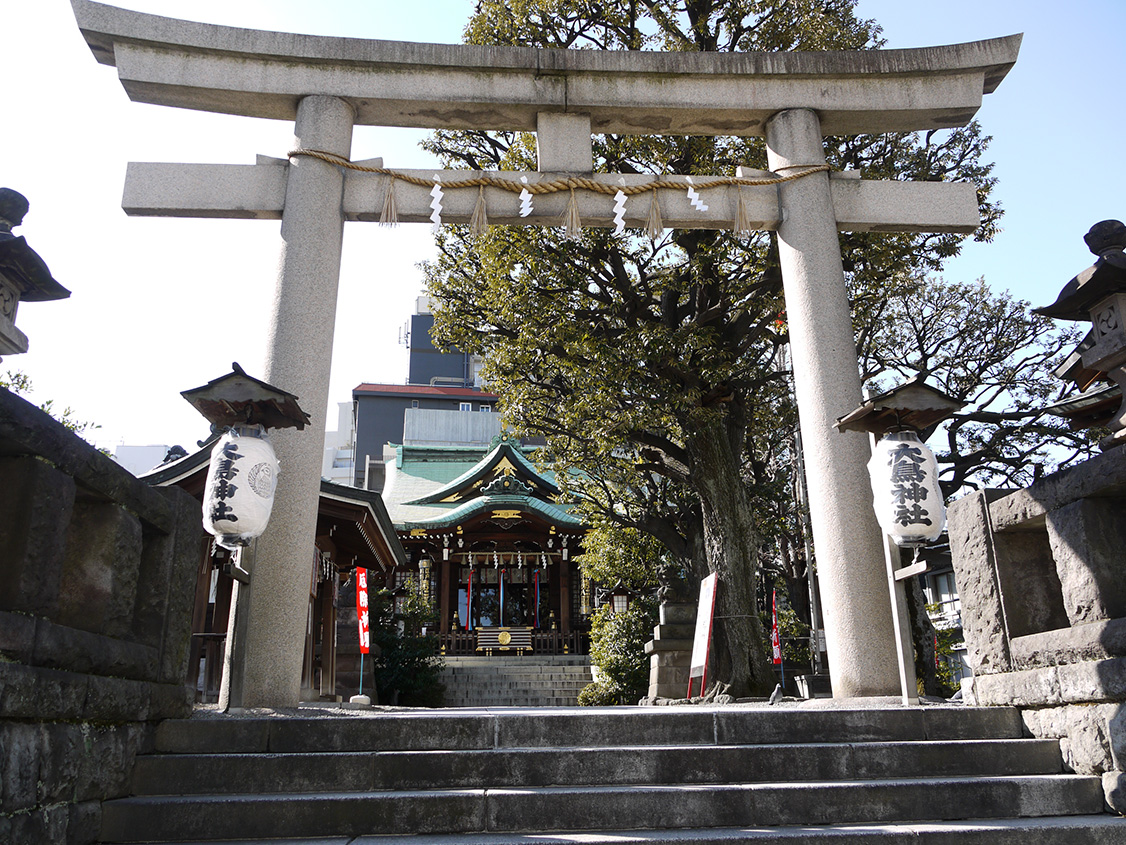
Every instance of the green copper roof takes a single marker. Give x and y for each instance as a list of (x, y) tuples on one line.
[(482, 504), (463, 484)]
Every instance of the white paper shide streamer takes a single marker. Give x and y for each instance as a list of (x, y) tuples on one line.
[(906, 495), (619, 212), (436, 205), (525, 198), (239, 494), (694, 197)]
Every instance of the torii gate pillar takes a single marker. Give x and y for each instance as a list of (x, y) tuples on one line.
[(854, 591), (265, 658)]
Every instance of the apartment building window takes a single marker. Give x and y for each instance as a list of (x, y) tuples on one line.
[(466, 406)]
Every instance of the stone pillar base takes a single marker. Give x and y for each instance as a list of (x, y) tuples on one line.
[(670, 651)]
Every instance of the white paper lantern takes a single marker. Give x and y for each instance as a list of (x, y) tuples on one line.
[(240, 487), (905, 491)]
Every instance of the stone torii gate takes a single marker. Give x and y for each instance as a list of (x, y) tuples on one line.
[(327, 85)]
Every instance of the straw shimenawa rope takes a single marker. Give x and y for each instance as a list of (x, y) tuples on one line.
[(556, 185), (569, 183)]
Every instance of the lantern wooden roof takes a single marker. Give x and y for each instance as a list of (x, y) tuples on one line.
[(912, 405), (1075, 371), (239, 399)]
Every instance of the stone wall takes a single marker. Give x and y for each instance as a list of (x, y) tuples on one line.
[(1042, 577), (97, 580)]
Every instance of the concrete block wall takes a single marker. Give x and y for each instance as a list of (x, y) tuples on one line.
[(1041, 574), (97, 580)]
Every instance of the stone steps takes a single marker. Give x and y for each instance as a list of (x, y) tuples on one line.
[(688, 775), (351, 771), (488, 681), (475, 702), (517, 681), (583, 674), (1071, 830), (140, 819), (422, 730)]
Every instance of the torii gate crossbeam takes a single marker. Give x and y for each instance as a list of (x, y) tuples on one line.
[(327, 85)]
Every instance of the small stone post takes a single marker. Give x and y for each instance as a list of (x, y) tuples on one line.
[(854, 591), (265, 661)]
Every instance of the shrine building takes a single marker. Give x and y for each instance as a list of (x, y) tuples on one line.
[(490, 546)]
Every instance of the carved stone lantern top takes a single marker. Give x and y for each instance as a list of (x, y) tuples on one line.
[(1106, 276), (20, 265), (24, 276), (1098, 295)]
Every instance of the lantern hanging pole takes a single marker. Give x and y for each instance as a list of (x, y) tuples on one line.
[(900, 618), (906, 495)]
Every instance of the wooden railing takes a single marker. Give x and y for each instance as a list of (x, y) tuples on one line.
[(462, 643), (206, 679)]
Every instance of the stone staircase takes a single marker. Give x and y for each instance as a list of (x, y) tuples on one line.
[(531, 681), (927, 776)]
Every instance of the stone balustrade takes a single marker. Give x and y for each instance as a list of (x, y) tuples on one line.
[(97, 581), (1042, 577)]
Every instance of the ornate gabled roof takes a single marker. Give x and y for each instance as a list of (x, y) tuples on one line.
[(503, 462), (503, 507)]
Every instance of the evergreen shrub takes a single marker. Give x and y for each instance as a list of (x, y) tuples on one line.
[(617, 648)]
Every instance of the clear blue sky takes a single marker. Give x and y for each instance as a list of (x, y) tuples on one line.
[(162, 305)]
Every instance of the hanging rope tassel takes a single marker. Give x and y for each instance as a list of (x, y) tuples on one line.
[(572, 225), (742, 218), (389, 216), (654, 228), (479, 222)]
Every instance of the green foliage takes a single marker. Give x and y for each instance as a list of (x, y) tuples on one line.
[(408, 668), (617, 648), (614, 554), (20, 384), (603, 693), (945, 660)]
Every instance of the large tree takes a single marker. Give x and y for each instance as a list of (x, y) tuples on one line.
[(989, 351), (654, 366)]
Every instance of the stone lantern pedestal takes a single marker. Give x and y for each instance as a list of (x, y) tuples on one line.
[(670, 650)]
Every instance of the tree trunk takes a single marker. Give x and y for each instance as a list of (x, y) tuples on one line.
[(923, 636), (795, 572), (731, 545)]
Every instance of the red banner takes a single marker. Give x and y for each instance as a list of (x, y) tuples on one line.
[(775, 639), (362, 608)]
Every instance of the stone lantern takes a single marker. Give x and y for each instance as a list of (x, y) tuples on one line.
[(1098, 295), (619, 597), (23, 275)]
